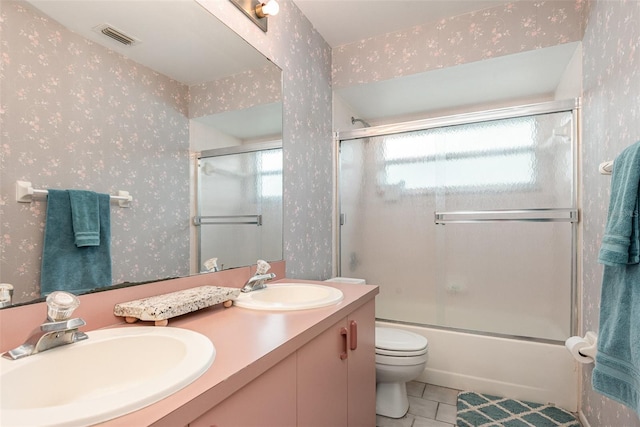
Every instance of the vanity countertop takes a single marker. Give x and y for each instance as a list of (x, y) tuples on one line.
[(248, 343)]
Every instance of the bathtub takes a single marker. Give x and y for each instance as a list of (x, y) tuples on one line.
[(524, 370)]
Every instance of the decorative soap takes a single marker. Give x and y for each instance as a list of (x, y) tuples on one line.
[(160, 308)]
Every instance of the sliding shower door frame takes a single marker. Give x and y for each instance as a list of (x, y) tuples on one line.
[(570, 105), (199, 220)]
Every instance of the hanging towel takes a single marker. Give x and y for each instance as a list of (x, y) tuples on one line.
[(85, 215), (617, 369), (620, 243), (66, 266)]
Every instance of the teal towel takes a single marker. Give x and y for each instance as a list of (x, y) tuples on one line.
[(620, 243), (85, 216), (66, 266), (617, 370)]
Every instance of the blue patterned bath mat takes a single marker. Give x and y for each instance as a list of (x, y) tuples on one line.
[(476, 410)]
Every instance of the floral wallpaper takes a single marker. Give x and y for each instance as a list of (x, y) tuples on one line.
[(501, 30), (611, 122), (76, 115), (240, 91)]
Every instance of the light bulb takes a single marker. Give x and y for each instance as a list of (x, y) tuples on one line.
[(271, 7)]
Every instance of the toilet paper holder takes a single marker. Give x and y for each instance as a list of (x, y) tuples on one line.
[(583, 349)]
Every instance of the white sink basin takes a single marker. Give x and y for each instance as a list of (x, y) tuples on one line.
[(114, 372), (290, 296)]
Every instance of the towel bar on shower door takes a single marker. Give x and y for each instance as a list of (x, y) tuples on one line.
[(525, 215), (226, 220)]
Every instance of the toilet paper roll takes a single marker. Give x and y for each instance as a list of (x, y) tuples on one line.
[(574, 345)]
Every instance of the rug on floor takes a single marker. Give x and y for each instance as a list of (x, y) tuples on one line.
[(476, 410)]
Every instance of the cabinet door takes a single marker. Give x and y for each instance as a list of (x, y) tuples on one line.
[(268, 401), (322, 379), (362, 367)]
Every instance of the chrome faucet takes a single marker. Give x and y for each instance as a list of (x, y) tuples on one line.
[(257, 281), (58, 330)]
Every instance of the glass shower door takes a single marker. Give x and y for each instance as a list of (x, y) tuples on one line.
[(240, 208), (469, 226)]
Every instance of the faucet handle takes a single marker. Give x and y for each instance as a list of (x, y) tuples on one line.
[(60, 305), (262, 267), (62, 325)]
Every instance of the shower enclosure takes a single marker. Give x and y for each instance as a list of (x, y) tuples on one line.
[(240, 205), (467, 222)]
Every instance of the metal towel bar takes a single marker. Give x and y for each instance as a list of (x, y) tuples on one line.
[(526, 215), (224, 220)]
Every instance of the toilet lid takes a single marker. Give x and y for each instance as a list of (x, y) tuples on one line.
[(399, 340)]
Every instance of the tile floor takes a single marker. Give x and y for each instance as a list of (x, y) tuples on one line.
[(429, 406)]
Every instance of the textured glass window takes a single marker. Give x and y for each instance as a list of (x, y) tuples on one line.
[(271, 173), (490, 153)]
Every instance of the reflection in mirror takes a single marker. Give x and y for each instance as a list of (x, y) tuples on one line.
[(240, 204), (82, 110)]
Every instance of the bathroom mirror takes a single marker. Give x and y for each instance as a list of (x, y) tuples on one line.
[(108, 96)]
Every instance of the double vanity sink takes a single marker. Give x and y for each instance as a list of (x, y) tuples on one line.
[(121, 370)]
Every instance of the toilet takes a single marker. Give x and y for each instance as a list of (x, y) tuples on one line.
[(401, 356)]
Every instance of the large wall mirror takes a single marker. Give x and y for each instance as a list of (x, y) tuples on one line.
[(126, 95)]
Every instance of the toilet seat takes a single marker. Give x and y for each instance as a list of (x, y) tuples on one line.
[(401, 361), (399, 343)]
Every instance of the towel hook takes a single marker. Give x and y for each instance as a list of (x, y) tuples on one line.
[(606, 168)]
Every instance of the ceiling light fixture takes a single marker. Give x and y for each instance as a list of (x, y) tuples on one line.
[(258, 10)]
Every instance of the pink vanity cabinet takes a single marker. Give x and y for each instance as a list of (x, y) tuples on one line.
[(337, 374), (329, 381)]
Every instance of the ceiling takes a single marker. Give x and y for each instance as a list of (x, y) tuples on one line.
[(341, 22), (163, 43)]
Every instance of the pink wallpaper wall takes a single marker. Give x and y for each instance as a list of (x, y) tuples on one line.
[(489, 33), (611, 122), (253, 87)]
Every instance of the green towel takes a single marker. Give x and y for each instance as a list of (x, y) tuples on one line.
[(617, 369), (66, 266), (620, 243), (85, 215)]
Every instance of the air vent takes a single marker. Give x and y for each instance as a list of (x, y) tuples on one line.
[(116, 35)]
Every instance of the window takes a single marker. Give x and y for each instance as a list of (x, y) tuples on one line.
[(488, 154), (270, 171)]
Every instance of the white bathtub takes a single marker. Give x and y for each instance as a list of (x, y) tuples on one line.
[(537, 372)]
